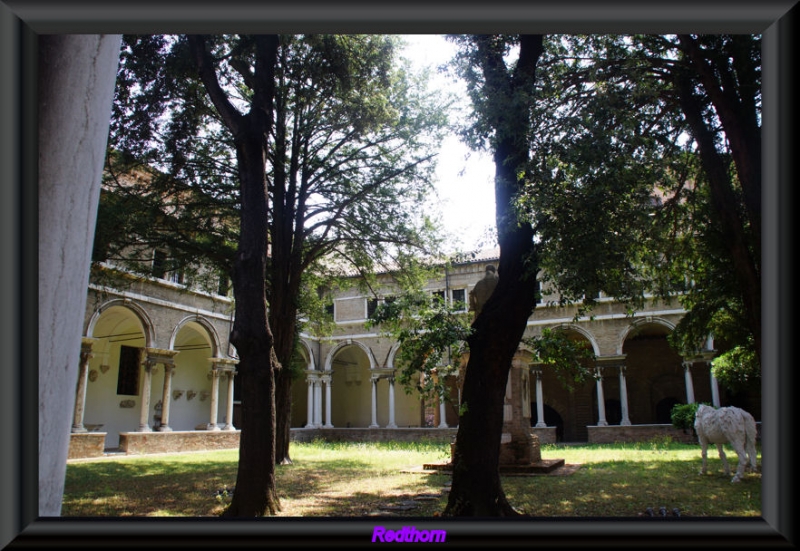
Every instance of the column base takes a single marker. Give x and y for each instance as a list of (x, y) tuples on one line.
[(374, 427), (79, 429), (145, 428), (164, 428), (212, 426)]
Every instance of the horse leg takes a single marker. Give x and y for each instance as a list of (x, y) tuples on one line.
[(724, 460), (742, 455), (704, 454)]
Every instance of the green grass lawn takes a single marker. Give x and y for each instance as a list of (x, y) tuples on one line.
[(358, 479)]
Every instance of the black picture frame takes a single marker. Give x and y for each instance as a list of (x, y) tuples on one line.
[(22, 21)]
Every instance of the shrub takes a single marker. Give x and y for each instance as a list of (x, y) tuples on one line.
[(682, 416)]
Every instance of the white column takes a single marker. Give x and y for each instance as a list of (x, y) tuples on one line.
[(166, 398), (374, 424), (144, 413), (687, 375), (310, 408), (539, 401), (601, 401), (391, 424), (714, 390), (317, 403), (328, 381), (80, 391), (442, 413), (229, 406), (212, 423), (623, 397)]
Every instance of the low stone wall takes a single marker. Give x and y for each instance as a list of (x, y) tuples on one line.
[(375, 435), (637, 433), (546, 435), (86, 444), (136, 443)]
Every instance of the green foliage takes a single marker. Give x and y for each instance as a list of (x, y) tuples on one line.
[(682, 416), (569, 358), (738, 369), (431, 334)]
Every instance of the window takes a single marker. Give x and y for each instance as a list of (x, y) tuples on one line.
[(372, 305), (159, 263), (176, 277), (437, 297), (329, 309), (460, 299), (224, 286), (128, 377)]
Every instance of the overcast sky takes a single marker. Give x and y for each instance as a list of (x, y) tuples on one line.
[(466, 178)]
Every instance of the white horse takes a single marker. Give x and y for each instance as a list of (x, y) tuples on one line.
[(728, 424)]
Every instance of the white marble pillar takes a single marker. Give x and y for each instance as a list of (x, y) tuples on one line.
[(442, 413), (714, 389), (212, 423), (539, 401), (144, 414), (317, 403), (166, 398), (601, 401), (374, 423), (310, 405), (328, 381), (687, 375), (80, 391), (391, 424), (623, 397), (229, 406)]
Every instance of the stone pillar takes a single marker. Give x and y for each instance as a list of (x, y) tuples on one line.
[(687, 374), (623, 397), (391, 424), (80, 391), (76, 74), (144, 414), (317, 403), (328, 381), (374, 423), (601, 401), (442, 414), (229, 406), (212, 422), (310, 405), (539, 400), (714, 391), (166, 398)]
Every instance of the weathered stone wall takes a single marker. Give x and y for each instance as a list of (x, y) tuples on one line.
[(374, 435), (637, 433), (135, 443), (86, 444)]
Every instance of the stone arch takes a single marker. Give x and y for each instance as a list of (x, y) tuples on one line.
[(583, 332), (140, 313), (203, 323), (344, 344), (638, 325), (308, 355)]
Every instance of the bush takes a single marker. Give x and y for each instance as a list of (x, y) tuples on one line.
[(682, 416)]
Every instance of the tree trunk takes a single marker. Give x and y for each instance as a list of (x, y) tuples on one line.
[(723, 200), (476, 489), (255, 493)]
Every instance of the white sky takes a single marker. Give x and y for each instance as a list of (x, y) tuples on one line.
[(466, 178)]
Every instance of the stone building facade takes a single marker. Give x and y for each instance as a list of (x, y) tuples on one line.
[(157, 372)]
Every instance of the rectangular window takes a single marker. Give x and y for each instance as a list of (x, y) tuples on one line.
[(128, 378), (437, 297), (329, 309), (372, 305), (460, 299), (159, 264)]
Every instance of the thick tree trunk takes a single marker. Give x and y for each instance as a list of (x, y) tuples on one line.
[(476, 489), (255, 493)]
